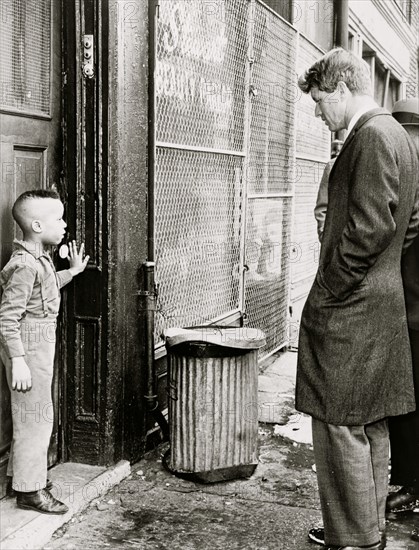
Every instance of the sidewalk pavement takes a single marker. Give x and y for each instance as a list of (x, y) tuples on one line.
[(76, 485), (153, 509)]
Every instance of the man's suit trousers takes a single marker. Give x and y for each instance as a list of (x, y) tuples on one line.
[(352, 474)]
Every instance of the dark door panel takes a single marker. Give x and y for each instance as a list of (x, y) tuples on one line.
[(84, 150)]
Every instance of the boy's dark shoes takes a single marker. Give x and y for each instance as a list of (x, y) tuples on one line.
[(415, 534), (11, 493), (402, 500), (316, 535), (41, 501)]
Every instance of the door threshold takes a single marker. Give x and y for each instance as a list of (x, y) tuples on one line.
[(77, 485)]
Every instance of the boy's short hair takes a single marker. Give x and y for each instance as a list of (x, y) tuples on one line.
[(17, 210), (335, 66)]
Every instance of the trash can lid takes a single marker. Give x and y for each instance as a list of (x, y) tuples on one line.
[(228, 337)]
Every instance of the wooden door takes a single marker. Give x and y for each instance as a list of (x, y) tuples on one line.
[(86, 111), (30, 138)]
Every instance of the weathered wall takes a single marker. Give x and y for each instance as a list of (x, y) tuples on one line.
[(127, 218)]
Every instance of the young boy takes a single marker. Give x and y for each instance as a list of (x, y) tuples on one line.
[(28, 312)]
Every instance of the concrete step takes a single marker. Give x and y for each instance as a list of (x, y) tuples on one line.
[(74, 484)]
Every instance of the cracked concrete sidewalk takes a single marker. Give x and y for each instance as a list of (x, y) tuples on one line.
[(272, 510)]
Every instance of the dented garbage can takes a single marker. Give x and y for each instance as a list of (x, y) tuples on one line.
[(213, 402)]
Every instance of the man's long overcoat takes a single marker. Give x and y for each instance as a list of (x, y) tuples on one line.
[(354, 364)]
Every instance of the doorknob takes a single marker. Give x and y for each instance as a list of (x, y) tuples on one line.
[(88, 57)]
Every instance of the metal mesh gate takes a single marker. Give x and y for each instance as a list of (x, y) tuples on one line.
[(271, 173), (25, 55), (312, 153), (224, 166), (197, 239), (200, 101)]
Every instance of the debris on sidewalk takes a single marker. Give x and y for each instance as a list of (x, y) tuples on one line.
[(271, 510), (297, 428)]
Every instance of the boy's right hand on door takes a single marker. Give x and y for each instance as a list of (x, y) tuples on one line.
[(21, 375)]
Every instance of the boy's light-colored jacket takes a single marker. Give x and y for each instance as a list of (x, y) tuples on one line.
[(30, 287)]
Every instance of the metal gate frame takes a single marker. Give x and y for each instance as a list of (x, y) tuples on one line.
[(246, 198), (275, 194)]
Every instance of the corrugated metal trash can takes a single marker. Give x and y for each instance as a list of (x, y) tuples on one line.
[(213, 402)]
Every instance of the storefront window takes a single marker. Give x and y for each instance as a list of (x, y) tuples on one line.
[(386, 86), (281, 7), (404, 6), (315, 20)]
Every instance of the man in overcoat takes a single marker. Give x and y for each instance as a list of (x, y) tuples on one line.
[(404, 430), (354, 364)]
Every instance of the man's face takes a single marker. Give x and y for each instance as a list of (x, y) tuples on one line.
[(330, 107)]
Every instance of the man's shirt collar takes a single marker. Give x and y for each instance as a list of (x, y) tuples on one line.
[(357, 116)]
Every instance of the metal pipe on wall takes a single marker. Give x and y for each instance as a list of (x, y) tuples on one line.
[(342, 23), (149, 294), (342, 36), (153, 14)]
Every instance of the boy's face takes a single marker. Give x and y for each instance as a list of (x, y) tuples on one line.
[(49, 223)]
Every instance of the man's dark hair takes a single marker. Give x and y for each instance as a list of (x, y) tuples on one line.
[(335, 66), (32, 194)]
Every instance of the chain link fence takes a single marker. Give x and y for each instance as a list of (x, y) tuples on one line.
[(312, 154), (200, 102), (225, 94), (271, 173)]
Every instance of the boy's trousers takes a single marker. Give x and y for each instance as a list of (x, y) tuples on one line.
[(352, 475), (32, 411)]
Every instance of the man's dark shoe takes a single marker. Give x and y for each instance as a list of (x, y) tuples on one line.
[(11, 493), (415, 534), (316, 535), (41, 501), (403, 500)]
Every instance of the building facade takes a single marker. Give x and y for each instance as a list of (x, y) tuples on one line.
[(385, 34), (177, 136)]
